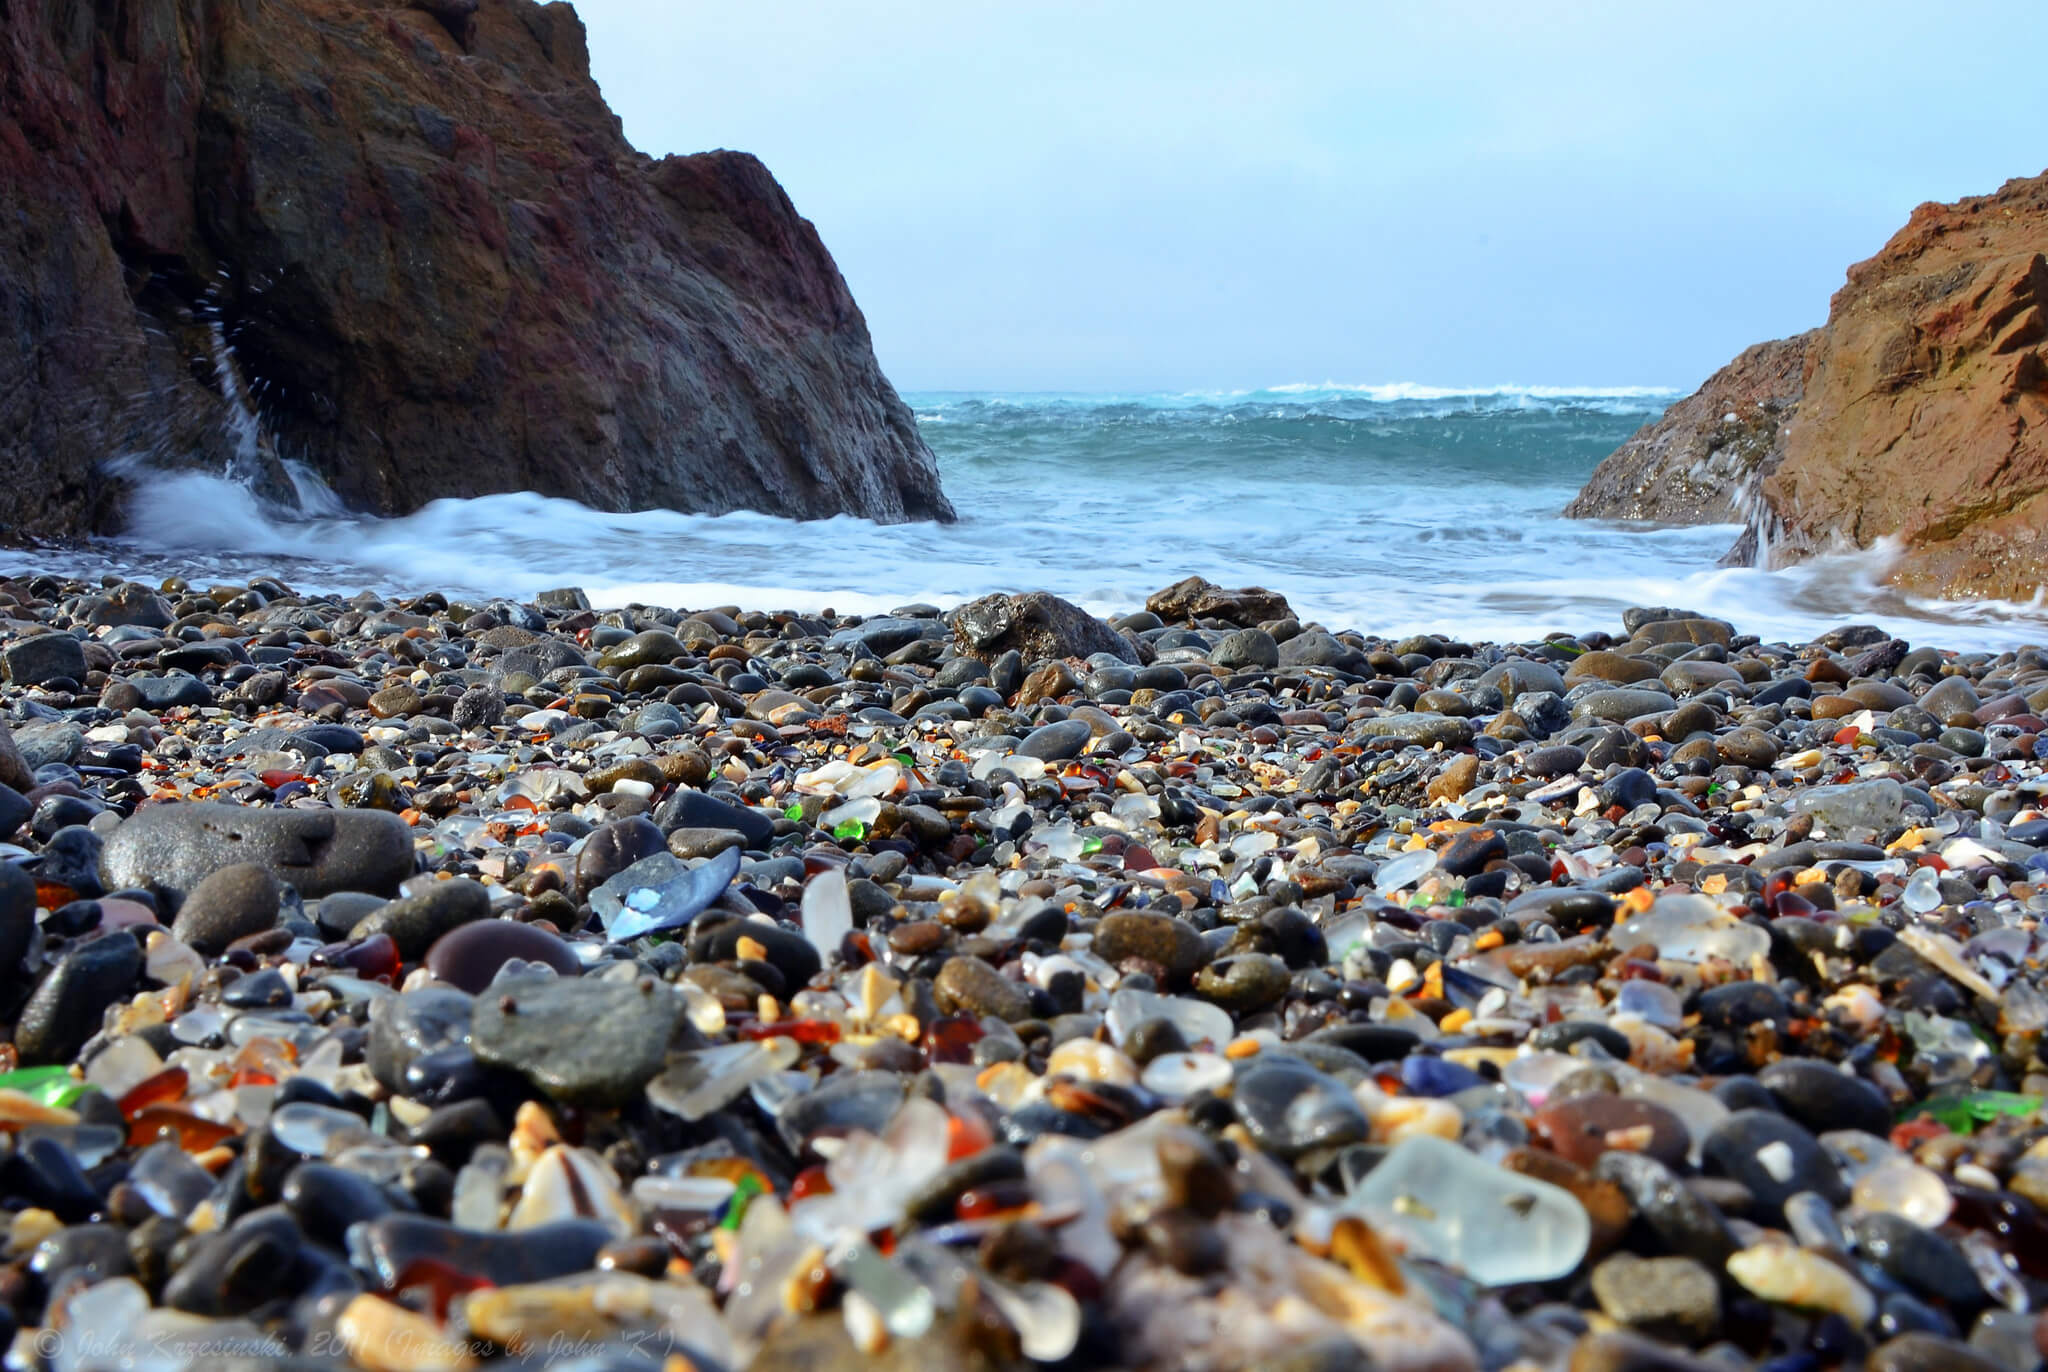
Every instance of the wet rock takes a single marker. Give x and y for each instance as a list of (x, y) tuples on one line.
[(696, 810), (1774, 1157), (396, 1243), (1057, 742), (1289, 1108), (405, 1027), (1425, 729), (1589, 1124), (1823, 1097), (1922, 1352), (1686, 1223), (39, 658), (1923, 1259), (1195, 598)]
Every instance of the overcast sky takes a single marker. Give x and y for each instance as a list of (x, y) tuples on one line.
[(1041, 195)]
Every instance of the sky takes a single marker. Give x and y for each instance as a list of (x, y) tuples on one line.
[(1129, 195)]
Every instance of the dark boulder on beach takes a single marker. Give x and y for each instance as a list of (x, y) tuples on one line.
[(1918, 413), (1037, 625), (415, 240)]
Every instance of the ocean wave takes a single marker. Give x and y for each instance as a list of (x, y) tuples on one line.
[(1388, 526), (944, 406)]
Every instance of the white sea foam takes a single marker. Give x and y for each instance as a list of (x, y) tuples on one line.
[(1392, 521)]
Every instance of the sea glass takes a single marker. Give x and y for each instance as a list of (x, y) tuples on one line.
[(1198, 1020), (1858, 810), (1692, 929), (1501, 1227), (827, 912), (1923, 891), (904, 1303), (45, 1085), (167, 1179), (1404, 871), (696, 1084), (661, 892)]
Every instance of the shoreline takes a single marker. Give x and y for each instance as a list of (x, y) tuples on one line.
[(1156, 972)]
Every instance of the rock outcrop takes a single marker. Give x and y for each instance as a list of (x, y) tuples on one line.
[(1694, 464), (414, 241), (1921, 413)]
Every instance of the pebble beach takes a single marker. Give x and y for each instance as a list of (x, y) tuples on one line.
[(442, 982)]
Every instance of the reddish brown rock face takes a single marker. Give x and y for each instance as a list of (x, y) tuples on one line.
[(1925, 401), (442, 269), (1916, 413)]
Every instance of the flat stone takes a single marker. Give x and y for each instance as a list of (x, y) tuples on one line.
[(14, 769), (1584, 1126), (696, 810), (17, 919), (584, 1041), (1057, 742), (1620, 704), (1247, 648), (171, 848), (1289, 1107), (394, 1243), (1823, 1097), (1775, 1157), (405, 1027), (49, 741), (704, 843), (43, 657), (1037, 625), (1425, 729)]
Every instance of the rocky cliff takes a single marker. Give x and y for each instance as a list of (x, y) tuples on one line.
[(416, 240), (1920, 414), (1695, 463)]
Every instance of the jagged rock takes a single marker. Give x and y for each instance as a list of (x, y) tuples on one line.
[(1922, 415), (1925, 415), (440, 266), (1196, 598), (1694, 463), (1037, 625)]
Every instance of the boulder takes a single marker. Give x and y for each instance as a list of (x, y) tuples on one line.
[(171, 848), (418, 234), (1196, 598), (1037, 625)]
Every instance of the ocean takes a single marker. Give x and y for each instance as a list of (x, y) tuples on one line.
[(1388, 509)]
